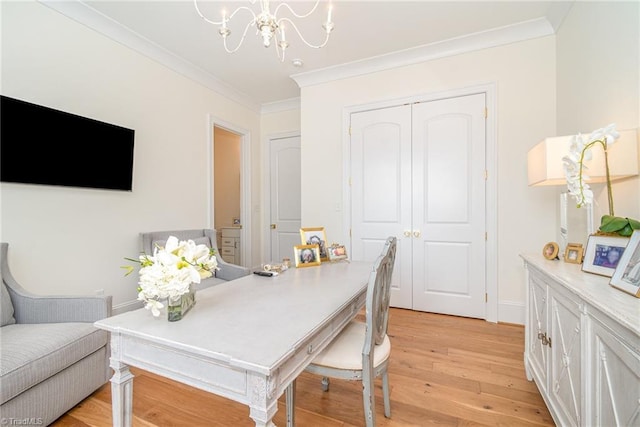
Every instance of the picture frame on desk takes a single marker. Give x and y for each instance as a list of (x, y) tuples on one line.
[(627, 274), (315, 236), (307, 255), (603, 254)]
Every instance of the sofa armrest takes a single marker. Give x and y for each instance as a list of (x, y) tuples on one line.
[(59, 309), (230, 271)]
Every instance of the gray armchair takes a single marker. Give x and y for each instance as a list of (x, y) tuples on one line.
[(51, 355), (200, 236)]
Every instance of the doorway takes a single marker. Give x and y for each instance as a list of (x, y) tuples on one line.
[(418, 172), (227, 193)]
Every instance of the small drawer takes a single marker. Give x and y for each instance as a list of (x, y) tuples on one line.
[(230, 232), (228, 251), (228, 242)]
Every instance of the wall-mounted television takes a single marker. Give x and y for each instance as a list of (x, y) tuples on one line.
[(41, 145)]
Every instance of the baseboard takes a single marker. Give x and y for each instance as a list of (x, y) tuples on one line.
[(511, 312), (126, 306)]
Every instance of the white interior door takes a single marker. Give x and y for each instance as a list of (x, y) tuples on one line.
[(284, 160), (381, 191), (418, 173), (449, 206)]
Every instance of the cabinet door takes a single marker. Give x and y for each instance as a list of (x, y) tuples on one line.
[(565, 385), (615, 378), (536, 352)]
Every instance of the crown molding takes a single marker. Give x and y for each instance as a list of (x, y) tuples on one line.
[(278, 106), (91, 18), (526, 30)]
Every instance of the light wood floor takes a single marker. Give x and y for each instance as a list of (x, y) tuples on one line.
[(443, 370)]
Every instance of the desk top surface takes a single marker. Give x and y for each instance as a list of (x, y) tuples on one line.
[(254, 320)]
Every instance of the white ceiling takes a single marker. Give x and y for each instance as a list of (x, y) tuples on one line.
[(363, 29)]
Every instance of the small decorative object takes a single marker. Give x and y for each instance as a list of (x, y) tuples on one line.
[(169, 274), (573, 165), (573, 253), (337, 252), (603, 254), (286, 262), (277, 268), (307, 255), (550, 251), (315, 236), (627, 274)]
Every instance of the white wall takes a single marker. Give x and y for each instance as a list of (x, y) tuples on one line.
[(598, 75), (68, 240), (524, 74)]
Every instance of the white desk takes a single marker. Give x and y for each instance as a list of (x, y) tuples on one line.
[(245, 340)]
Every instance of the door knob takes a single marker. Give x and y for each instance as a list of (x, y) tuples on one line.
[(273, 226), (416, 233), (407, 233)]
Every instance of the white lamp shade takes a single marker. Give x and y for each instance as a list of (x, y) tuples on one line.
[(544, 161)]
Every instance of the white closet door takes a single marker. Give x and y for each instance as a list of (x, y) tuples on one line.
[(285, 196), (381, 191), (449, 206)]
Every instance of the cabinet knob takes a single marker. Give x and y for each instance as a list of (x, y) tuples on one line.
[(416, 233), (273, 226), (407, 233)]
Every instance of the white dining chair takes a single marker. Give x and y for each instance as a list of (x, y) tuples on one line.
[(361, 351)]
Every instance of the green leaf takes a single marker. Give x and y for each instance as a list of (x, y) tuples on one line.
[(627, 231), (634, 224), (613, 224)]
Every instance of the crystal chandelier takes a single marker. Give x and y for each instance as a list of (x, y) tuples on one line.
[(268, 26)]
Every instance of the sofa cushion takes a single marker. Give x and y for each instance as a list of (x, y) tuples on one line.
[(31, 353), (6, 306)]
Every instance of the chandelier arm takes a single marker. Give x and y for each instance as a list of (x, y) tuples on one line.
[(195, 3), (278, 49), (326, 40), (244, 34), (313, 9)]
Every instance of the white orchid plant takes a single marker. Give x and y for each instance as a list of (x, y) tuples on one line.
[(574, 168), (170, 271)]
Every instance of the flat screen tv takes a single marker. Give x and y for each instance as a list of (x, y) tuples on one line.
[(40, 145)]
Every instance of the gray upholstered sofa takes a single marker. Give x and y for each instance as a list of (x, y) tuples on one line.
[(203, 236), (51, 355)]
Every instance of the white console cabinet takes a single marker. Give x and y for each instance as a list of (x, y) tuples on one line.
[(582, 345)]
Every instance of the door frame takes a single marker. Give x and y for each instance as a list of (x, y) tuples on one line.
[(491, 197), (266, 185), (245, 182)]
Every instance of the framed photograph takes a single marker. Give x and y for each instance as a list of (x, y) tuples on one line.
[(315, 236), (573, 253), (337, 252), (307, 255), (627, 274), (603, 254), (550, 250)]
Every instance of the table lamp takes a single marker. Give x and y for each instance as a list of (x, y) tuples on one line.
[(544, 167)]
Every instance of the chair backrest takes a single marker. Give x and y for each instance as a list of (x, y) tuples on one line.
[(378, 297), (199, 236)]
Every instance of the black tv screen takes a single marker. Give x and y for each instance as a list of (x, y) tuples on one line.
[(40, 145)]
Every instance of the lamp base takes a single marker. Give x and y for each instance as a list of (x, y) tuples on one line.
[(576, 224)]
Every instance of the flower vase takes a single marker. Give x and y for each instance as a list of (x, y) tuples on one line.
[(177, 307)]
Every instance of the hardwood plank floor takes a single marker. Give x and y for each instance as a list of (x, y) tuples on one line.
[(443, 370)]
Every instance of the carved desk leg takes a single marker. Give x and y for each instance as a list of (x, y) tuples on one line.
[(263, 405), (121, 394)]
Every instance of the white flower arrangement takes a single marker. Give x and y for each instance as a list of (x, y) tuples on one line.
[(574, 166), (170, 271)]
